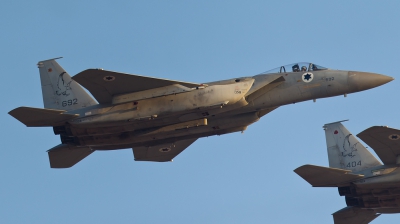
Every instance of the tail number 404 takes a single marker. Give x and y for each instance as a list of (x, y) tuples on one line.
[(354, 164), (69, 102)]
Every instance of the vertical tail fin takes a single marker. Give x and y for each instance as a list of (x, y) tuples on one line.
[(59, 90), (345, 151)]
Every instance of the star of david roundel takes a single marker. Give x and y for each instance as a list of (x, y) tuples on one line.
[(165, 149), (109, 78), (307, 77), (394, 137)]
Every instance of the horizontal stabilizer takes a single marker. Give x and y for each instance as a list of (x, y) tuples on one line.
[(164, 152), (384, 141), (103, 85), (319, 176), (37, 117), (65, 156), (354, 215)]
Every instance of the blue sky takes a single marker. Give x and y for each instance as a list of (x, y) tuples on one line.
[(235, 178)]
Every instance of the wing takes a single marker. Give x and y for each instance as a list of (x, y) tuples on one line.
[(37, 117), (65, 156), (354, 216), (384, 141), (162, 152), (103, 85), (319, 176)]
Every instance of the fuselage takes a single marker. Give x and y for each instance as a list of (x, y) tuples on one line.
[(225, 106), (380, 189)]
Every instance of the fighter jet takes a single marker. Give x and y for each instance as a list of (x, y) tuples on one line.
[(370, 187), (159, 118)]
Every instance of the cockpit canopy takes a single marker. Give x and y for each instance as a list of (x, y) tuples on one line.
[(296, 67)]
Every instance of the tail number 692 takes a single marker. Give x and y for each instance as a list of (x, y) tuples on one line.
[(69, 102)]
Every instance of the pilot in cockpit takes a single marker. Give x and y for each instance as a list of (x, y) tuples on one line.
[(303, 68), (295, 68)]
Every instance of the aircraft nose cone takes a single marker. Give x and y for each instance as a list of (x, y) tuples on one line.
[(359, 81)]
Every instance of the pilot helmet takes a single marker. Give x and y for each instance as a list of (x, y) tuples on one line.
[(303, 68)]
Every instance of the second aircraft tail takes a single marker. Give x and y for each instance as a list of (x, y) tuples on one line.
[(345, 151)]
